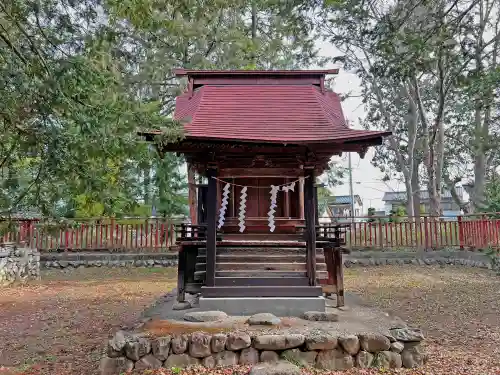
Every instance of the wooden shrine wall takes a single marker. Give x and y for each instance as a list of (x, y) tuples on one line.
[(258, 197)]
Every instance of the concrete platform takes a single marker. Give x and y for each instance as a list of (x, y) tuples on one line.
[(356, 317), (279, 306)]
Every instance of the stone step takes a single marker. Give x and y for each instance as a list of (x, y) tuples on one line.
[(261, 266), (261, 258), (200, 275)]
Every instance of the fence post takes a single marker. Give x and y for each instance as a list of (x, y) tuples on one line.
[(30, 234), (112, 231), (460, 232), (485, 234), (380, 234), (66, 237), (426, 233)]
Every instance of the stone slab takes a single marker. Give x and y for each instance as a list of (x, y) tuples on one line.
[(358, 317), (279, 306)]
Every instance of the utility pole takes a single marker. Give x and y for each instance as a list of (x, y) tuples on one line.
[(351, 192)]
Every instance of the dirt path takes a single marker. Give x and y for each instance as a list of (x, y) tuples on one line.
[(59, 325)]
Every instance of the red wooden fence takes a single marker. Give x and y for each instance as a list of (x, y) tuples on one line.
[(464, 232), (154, 234), (130, 234)]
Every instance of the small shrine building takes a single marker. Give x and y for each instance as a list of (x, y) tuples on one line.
[(259, 139)]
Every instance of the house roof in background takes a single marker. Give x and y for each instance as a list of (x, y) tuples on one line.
[(343, 199), (424, 195)]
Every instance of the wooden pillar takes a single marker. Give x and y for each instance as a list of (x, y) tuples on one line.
[(202, 204), (301, 198), (339, 275), (181, 275), (211, 226), (310, 217), (316, 217), (233, 201), (193, 210), (287, 201), (219, 195)]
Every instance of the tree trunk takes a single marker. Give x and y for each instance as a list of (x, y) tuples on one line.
[(477, 197), (409, 196), (147, 183), (409, 202), (480, 137), (406, 165), (483, 108), (254, 20), (415, 188), (253, 55), (433, 143), (434, 196)]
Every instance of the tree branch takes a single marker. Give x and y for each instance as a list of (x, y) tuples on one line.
[(12, 47), (25, 192)]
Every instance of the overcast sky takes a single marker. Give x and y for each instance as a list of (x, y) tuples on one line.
[(366, 178)]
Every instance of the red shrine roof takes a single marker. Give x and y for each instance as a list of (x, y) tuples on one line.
[(264, 106)]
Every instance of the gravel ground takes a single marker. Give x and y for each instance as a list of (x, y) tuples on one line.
[(59, 325)]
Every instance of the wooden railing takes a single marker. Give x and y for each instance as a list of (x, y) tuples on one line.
[(187, 232), (333, 232)]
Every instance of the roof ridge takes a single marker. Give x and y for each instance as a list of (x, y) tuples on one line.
[(201, 92), (274, 84), (316, 92), (192, 72)]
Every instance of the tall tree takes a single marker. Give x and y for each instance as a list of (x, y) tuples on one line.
[(474, 138), (65, 104), (410, 53), (354, 28)]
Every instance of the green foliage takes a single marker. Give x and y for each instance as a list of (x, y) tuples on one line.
[(492, 198), (142, 210), (323, 193), (78, 79), (68, 116), (86, 207), (335, 174), (172, 193), (429, 73), (396, 214), (371, 212)]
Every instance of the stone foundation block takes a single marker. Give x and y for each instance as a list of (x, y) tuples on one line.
[(320, 349)]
